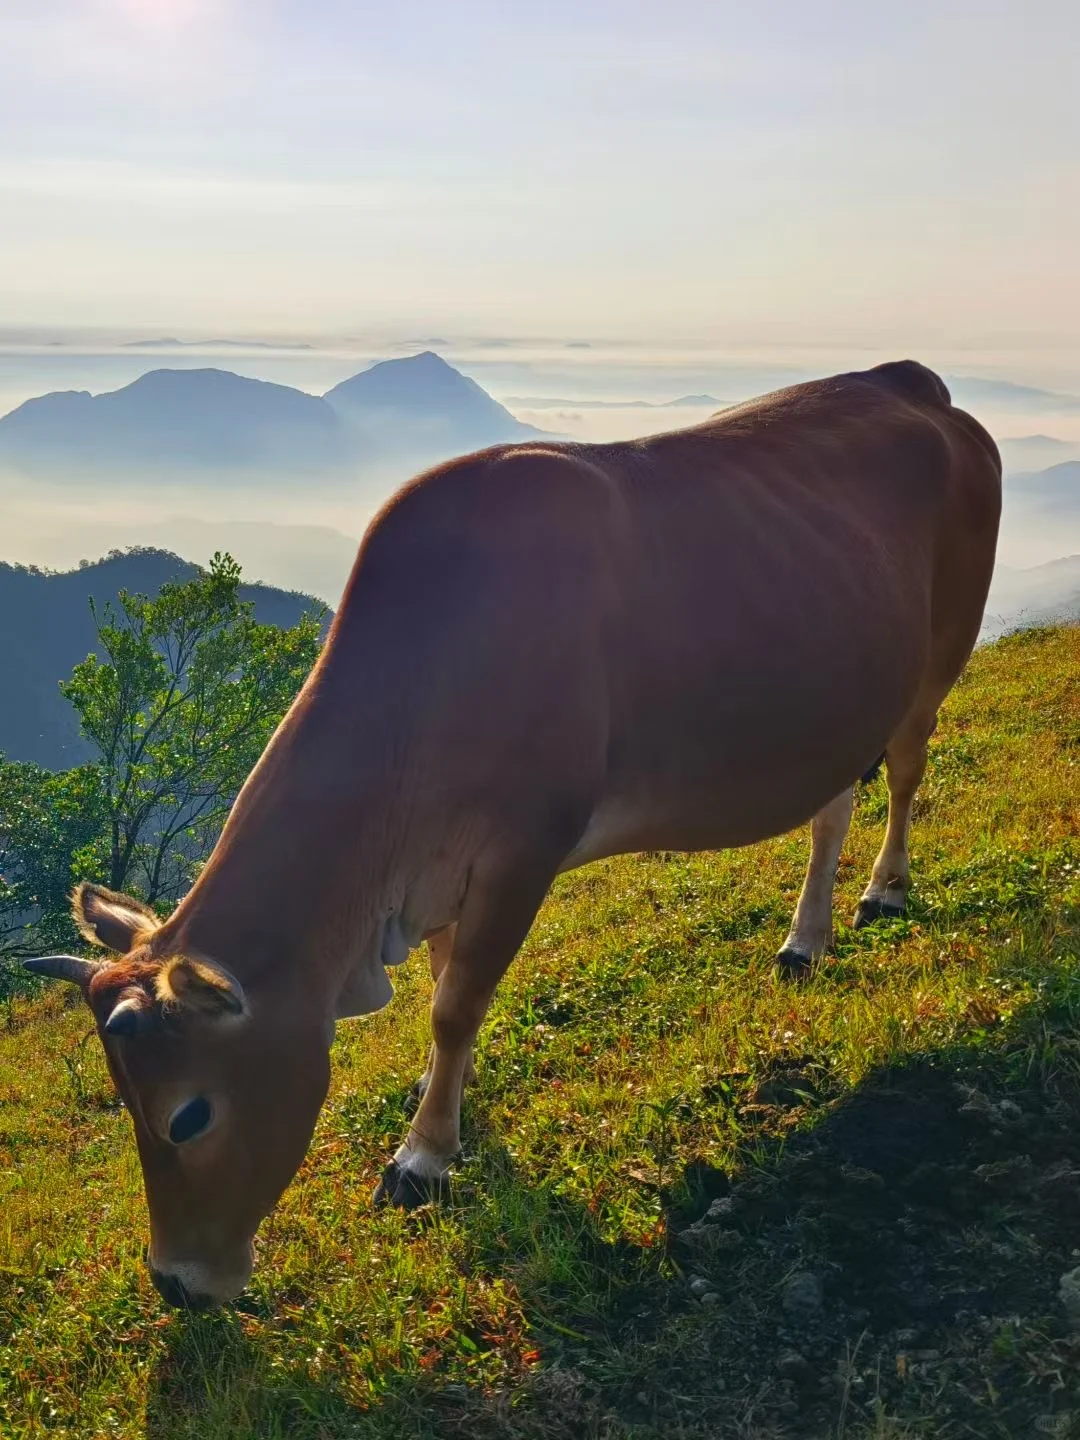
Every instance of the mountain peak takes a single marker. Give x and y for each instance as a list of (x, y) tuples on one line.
[(421, 358), (203, 380), (175, 417), (413, 376), (425, 391)]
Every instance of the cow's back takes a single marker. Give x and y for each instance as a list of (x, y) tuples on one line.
[(779, 590)]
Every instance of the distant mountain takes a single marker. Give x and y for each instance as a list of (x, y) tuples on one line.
[(1004, 395), (312, 559), (403, 413), (424, 407), (1040, 515), (1038, 595), (1054, 490), (170, 342), (1036, 452), (175, 419), (692, 400), (46, 628)]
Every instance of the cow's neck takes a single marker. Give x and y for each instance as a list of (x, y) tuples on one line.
[(306, 874)]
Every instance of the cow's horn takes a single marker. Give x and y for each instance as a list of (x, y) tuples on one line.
[(65, 967), (130, 1016)]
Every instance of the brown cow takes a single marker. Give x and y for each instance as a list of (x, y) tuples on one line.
[(546, 654)]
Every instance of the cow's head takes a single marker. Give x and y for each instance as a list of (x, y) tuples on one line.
[(223, 1086)]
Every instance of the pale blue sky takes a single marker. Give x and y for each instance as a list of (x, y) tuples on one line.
[(902, 172)]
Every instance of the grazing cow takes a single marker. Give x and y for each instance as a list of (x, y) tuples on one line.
[(546, 653)]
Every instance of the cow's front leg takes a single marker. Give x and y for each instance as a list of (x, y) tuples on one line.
[(495, 920), (421, 1165), (811, 927)]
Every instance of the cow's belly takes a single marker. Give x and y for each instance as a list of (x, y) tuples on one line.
[(734, 776), (709, 819)]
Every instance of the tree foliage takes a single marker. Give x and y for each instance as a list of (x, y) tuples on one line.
[(179, 699), (180, 704), (51, 828)]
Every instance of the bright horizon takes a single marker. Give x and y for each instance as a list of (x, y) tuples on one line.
[(754, 177)]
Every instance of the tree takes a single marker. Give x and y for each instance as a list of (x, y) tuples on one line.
[(180, 703), (51, 831)]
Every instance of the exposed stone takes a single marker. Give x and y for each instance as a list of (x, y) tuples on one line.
[(1005, 1175), (802, 1298), (794, 1366), (1069, 1291), (702, 1239), (721, 1211)]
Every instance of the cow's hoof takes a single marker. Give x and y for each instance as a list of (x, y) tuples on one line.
[(407, 1189), (870, 909), (792, 964)]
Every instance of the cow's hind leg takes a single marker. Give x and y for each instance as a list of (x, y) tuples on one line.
[(440, 946), (495, 920), (905, 761), (811, 927)]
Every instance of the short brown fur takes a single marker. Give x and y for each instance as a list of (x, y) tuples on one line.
[(545, 654)]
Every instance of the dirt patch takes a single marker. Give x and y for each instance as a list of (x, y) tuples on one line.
[(907, 1254)]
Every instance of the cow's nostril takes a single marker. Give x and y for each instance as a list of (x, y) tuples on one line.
[(174, 1292)]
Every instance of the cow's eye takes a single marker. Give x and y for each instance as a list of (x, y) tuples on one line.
[(190, 1120)]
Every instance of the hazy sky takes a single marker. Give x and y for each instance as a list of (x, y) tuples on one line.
[(847, 168)]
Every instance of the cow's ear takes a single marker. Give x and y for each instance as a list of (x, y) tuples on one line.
[(196, 987), (116, 921)]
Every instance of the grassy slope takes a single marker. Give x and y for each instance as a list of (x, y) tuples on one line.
[(641, 1061)]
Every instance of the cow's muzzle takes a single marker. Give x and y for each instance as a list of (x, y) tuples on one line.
[(174, 1292)]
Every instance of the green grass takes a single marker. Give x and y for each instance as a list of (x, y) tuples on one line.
[(905, 1126)]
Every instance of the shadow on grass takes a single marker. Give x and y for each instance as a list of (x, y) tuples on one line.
[(891, 1270)]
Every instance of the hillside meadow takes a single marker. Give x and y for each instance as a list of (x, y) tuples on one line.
[(697, 1200)]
